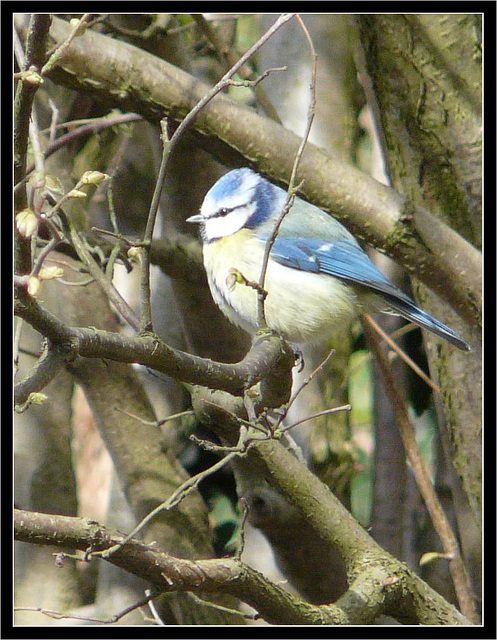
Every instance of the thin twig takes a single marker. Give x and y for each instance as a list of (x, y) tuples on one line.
[(53, 121), (154, 611), (186, 123), (109, 267), (82, 283), (325, 412), (95, 124), (241, 422), (218, 607), (175, 498), (108, 288), (244, 444), (34, 138), (112, 620), (292, 189), (117, 236), (157, 423), (309, 379), (440, 521), (229, 58), (59, 51), (402, 354), (256, 81), (143, 252)]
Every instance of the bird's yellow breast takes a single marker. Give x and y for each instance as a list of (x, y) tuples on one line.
[(300, 305)]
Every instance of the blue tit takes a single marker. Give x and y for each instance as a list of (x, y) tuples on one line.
[(317, 274)]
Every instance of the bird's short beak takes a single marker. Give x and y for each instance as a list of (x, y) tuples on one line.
[(197, 218)]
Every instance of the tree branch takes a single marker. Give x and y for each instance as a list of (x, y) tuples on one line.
[(328, 518), (36, 38), (41, 374), (269, 356), (228, 575)]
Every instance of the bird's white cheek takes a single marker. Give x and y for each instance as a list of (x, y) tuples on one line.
[(224, 226)]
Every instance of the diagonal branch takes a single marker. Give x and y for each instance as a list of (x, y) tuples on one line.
[(226, 575), (440, 522)]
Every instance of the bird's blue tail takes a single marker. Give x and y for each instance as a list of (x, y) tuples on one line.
[(409, 310)]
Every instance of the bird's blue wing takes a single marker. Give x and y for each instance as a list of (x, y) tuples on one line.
[(346, 260), (340, 258)]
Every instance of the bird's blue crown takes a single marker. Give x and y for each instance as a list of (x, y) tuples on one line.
[(258, 191)]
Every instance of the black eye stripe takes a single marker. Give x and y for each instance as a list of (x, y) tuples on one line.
[(224, 211)]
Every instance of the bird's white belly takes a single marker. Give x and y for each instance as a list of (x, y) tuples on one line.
[(302, 306)]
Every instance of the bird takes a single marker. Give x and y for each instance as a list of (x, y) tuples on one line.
[(317, 275)]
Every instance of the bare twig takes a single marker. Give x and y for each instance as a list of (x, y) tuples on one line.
[(230, 57), (59, 51), (85, 256), (325, 412), (245, 442), (186, 123), (440, 522), (176, 497), (157, 423), (153, 610), (82, 283), (402, 354), (292, 188), (239, 420), (144, 251), (218, 607), (34, 137), (309, 379), (150, 595), (53, 120)]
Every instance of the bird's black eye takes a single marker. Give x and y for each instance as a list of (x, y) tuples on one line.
[(223, 211)]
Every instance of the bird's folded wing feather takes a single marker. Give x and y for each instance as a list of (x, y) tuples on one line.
[(339, 258), (346, 260)]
